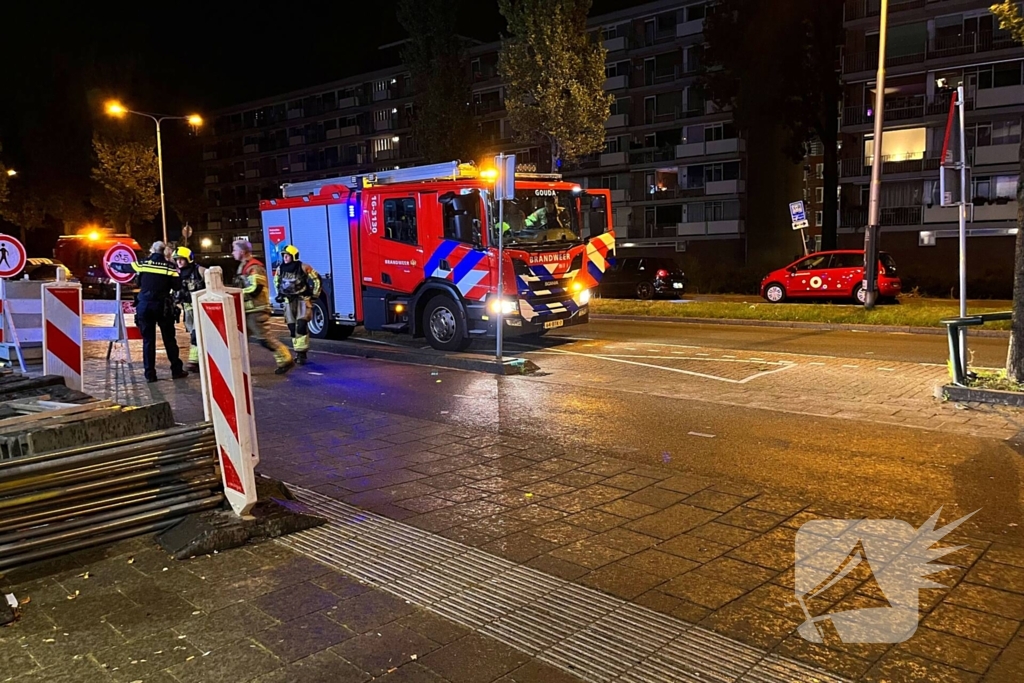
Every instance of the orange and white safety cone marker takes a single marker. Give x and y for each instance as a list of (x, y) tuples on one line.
[(62, 330), (224, 360)]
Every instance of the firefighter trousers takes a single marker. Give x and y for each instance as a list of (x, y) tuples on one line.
[(297, 313), (258, 326), (190, 327)]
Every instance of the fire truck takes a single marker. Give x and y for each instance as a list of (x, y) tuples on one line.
[(415, 251)]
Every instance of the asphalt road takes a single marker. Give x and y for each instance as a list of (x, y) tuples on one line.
[(888, 469)]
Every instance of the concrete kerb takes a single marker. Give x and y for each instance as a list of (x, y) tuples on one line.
[(475, 362), (953, 392), (826, 327)]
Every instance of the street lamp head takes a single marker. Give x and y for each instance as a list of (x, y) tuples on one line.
[(11, 172), (195, 120), (114, 108)]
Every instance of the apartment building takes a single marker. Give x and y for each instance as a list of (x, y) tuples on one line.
[(675, 163), (933, 46)]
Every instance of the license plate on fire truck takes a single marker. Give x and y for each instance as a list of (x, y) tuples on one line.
[(553, 323)]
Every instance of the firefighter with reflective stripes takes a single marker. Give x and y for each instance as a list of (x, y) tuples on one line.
[(252, 279), (191, 275), (158, 280), (297, 285)]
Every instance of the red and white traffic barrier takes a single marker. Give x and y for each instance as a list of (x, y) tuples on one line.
[(226, 386), (62, 331)]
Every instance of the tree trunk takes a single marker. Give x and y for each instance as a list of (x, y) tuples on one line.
[(1015, 355), (830, 208), (22, 234)]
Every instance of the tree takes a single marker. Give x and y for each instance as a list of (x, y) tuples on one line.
[(443, 125), (126, 176), (1010, 20), (25, 210), (554, 76), (775, 63)]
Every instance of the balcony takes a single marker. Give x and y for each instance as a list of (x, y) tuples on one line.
[(488, 107), (690, 149), (996, 212), (250, 149), (348, 102), (724, 187), (379, 95), (385, 155), (729, 146), (1000, 97), (616, 82), (997, 154), (615, 44), (298, 167), (937, 48), (940, 214), (857, 217), (332, 133), (296, 113), (213, 225), (297, 140), (652, 156), (620, 196), (211, 179), (613, 158), (859, 9), (253, 222), (209, 156), (252, 173), (718, 227), (386, 124), (689, 28), (617, 121)]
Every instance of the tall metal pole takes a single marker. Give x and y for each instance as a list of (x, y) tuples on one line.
[(963, 226), (160, 167), (871, 232), (501, 254)]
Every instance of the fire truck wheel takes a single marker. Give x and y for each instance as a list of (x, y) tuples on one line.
[(319, 322), (444, 326)]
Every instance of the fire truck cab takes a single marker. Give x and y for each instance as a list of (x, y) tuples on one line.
[(415, 251)]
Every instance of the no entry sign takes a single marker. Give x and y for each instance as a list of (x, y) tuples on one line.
[(12, 256), (120, 254)]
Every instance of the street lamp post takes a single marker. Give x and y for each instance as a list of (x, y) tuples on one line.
[(116, 109)]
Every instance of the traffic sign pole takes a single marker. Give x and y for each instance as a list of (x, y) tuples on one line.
[(12, 260), (124, 255)]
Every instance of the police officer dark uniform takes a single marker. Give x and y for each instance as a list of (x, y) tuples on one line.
[(297, 285), (158, 280), (191, 276)]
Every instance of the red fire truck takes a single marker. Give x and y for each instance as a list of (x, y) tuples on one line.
[(414, 251)]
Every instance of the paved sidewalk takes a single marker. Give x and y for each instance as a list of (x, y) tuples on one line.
[(129, 613)]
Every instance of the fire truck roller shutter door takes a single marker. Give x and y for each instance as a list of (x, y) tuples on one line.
[(311, 236), (278, 219), (340, 269)]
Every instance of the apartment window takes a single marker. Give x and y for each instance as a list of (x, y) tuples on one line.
[(695, 12), (400, 220), (819, 171), (609, 182), (1000, 75), (383, 144), (819, 195), (611, 145), (897, 145), (729, 170), (617, 69), (719, 131), (817, 218), (381, 86), (994, 189), (382, 115)]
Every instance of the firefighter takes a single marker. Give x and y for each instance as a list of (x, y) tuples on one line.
[(192, 279), (297, 285), (252, 279), (158, 280)]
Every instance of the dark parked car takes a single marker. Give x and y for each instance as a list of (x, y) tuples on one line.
[(642, 277), (45, 269)]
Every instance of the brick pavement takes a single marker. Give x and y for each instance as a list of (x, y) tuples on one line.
[(708, 552)]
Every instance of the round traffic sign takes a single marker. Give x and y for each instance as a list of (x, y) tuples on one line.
[(120, 254), (12, 256)]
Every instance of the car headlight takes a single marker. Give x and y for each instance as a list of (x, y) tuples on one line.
[(584, 296)]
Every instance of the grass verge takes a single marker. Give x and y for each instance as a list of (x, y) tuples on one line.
[(917, 315), (994, 379)]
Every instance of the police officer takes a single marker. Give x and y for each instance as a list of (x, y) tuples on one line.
[(297, 285), (252, 279), (191, 275), (158, 280)]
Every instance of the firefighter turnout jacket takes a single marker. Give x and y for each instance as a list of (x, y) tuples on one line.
[(192, 280), (252, 279), (297, 280)]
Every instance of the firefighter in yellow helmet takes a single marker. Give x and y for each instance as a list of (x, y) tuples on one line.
[(191, 276), (252, 279), (297, 285)]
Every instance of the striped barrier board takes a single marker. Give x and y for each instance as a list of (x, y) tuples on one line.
[(227, 383), (63, 333)]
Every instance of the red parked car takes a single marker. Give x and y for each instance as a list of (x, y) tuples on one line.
[(829, 275)]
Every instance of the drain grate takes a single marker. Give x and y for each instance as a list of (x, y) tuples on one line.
[(580, 630)]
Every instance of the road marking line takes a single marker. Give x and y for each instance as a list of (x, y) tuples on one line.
[(851, 366), (816, 363), (702, 354), (727, 356), (886, 369), (760, 360), (701, 434)]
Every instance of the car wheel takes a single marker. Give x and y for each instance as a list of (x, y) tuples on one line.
[(444, 325), (644, 291), (860, 294), (775, 293), (319, 322)]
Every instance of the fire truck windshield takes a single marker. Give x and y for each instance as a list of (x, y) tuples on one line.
[(538, 218)]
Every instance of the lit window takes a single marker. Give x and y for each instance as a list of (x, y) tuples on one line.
[(897, 145)]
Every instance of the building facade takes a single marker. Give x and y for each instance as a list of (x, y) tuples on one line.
[(933, 46), (675, 164)]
